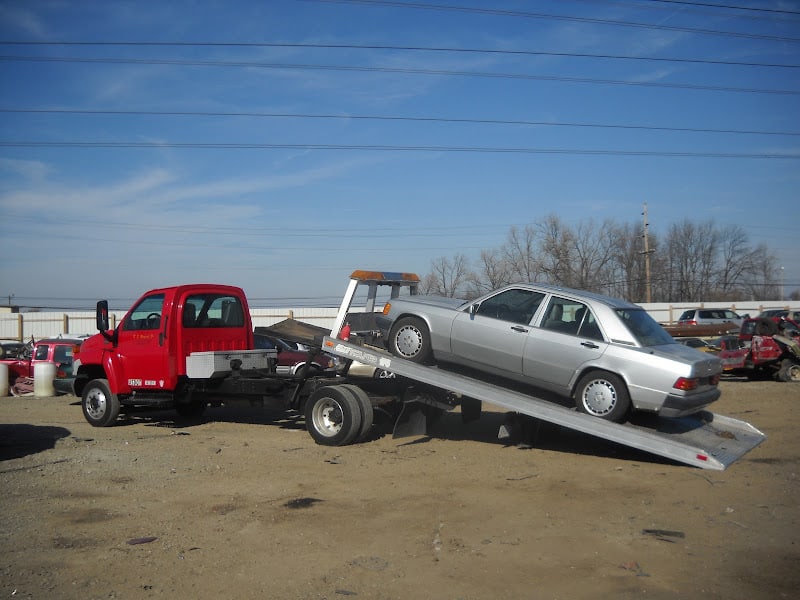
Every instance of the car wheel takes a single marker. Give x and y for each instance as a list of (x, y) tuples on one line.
[(100, 406), (411, 340), (604, 395), (789, 371)]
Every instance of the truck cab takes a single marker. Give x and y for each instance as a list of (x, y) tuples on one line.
[(146, 352)]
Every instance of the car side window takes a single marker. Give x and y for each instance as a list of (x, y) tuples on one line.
[(41, 352), (212, 311), (571, 317), (515, 305)]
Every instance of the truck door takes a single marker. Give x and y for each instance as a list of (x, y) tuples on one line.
[(142, 345), (211, 320)]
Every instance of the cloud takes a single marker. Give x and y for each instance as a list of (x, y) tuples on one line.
[(35, 170)]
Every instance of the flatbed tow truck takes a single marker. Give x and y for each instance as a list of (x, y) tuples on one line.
[(339, 409)]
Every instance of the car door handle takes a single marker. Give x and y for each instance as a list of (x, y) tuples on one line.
[(520, 329), (591, 345)]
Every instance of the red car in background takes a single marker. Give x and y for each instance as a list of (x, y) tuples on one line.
[(60, 351), (291, 358)]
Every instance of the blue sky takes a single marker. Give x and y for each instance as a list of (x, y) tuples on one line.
[(321, 189)]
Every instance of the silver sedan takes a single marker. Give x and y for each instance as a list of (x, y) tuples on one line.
[(607, 354)]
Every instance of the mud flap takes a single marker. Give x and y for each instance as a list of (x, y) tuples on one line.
[(411, 421)]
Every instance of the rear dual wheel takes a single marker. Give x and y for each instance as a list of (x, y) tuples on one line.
[(338, 415)]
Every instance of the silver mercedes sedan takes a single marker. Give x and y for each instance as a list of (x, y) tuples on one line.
[(607, 354)]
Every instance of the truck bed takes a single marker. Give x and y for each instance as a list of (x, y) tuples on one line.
[(704, 440)]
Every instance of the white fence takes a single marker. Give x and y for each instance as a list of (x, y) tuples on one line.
[(23, 326)]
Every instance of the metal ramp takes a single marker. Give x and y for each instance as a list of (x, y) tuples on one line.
[(704, 440)]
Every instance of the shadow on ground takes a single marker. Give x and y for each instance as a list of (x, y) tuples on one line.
[(18, 439)]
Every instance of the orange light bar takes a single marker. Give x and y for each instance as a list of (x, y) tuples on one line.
[(387, 276)]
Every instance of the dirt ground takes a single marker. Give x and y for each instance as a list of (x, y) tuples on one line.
[(246, 505)]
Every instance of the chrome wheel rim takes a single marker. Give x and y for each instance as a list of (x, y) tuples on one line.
[(327, 417), (408, 341), (599, 397), (96, 404)]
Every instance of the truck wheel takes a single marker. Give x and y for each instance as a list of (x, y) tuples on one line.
[(789, 371), (410, 339), (333, 416), (365, 406), (100, 406), (602, 394)]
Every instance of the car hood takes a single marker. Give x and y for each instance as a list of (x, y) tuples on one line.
[(703, 365)]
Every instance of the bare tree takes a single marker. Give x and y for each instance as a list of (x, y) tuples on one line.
[(447, 276), (593, 249), (556, 243), (692, 250), (520, 254), (734, 259), (493, 272)]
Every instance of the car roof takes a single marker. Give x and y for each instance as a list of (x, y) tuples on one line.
[(556, 289)]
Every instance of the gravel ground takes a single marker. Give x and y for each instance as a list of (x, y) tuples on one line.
[(246, 505)]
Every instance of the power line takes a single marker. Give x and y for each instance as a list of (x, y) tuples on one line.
[(390, 118), (548, 16), (406, 71), (775, 11), (438, 49), (388, 148)]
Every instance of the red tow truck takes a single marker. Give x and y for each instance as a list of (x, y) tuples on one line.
[(190, 346)]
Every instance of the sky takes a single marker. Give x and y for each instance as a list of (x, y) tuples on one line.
[(280, 145)]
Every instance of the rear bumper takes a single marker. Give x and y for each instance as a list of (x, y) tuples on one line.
[(681, 406)]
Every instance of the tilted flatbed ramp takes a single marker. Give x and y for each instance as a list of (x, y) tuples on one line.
[(703, 440)]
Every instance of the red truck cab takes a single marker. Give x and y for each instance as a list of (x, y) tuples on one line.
[(147, 351)]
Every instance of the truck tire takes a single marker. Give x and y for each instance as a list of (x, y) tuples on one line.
[(333, 416), (411, 340), (604, 395), (365, 406), (100, 406)]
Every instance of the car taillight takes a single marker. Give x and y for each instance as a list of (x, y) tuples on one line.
[(686, 384), (387, 307), (714, 380), (61, 373)]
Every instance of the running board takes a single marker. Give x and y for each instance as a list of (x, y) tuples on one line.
[(704, 440)]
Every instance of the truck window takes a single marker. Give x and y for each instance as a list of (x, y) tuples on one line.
[(212, 310), (145, 315)]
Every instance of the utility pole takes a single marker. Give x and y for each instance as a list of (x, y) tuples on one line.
[(647, 252)]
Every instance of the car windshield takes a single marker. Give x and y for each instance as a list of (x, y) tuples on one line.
[(644, 328)]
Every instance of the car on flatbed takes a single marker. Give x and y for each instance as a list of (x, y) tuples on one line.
[(607, 354)]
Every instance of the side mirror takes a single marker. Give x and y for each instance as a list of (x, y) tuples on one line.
[(101, 315)]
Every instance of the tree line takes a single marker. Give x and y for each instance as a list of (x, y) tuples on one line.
[(692, 262)]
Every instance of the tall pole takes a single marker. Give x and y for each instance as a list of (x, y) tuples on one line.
[(646, 253)]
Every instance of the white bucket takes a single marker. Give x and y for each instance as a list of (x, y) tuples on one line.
[(43, 375), (3, 380)]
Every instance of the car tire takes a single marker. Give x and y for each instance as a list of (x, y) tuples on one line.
[(100, 406), (604, 395), (789, 371), (410, 339)]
